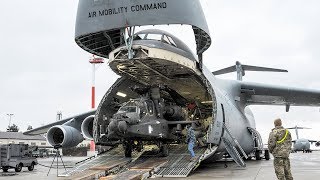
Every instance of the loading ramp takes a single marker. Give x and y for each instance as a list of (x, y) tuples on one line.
[(149, 163), (179, 164), (98, 166)]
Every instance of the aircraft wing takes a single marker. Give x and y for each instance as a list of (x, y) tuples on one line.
[(312, 141), (45, 128), (261, 94)]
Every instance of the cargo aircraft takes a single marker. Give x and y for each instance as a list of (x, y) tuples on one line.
[(163, 86), (302, 144)]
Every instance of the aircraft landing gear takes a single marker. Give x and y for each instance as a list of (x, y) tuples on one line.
[(139, 146), (266, 154), (127, 145), (164, 149), (257, 154), (225, 161)]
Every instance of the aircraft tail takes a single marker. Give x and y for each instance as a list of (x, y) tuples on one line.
[(296, 128), (241, 68)]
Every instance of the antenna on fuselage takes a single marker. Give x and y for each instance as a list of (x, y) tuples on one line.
[(241, 68)]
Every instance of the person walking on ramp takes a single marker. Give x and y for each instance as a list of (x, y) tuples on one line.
[(191, 140)]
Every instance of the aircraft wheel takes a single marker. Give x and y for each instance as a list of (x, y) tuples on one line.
[(139, 146), (5, 169), (128, 149), (257, 155), (165, 150), (18, 168), (31, 167), (266, 154)]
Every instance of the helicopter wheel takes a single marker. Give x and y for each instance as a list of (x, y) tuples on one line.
[(127, 148)]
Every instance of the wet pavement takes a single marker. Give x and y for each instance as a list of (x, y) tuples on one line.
[(41, 170), (304, 166)]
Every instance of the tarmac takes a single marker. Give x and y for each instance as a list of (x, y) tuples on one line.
[(303, 166)]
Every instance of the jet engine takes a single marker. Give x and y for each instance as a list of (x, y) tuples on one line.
[(87, 127), (65, 136)]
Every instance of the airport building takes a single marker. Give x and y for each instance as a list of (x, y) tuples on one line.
[(20, 138)]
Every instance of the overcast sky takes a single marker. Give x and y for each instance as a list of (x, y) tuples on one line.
[(42, 70)]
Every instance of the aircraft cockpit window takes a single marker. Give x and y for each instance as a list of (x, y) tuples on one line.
[(168, 40), (172, 42), (139, 36), (129, 109), (157, 37)]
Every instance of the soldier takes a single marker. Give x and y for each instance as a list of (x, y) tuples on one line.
[(279, 145), (191, 140)]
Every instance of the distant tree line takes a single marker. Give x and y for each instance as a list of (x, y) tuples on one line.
[(13, 128)]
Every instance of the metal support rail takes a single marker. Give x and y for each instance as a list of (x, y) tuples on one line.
[(235, 141)]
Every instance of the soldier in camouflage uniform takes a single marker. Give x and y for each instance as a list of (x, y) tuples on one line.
[(279, 145)]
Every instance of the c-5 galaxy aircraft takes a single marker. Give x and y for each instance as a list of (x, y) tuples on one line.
[(164, 87), (302, 144)]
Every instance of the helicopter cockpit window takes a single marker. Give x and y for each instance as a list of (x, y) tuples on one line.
[(143, 111), (149, 107)]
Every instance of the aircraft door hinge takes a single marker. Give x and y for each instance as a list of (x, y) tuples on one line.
[(128, 39)]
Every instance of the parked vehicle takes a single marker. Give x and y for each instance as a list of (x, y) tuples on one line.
[(40, 153), (17, 156)]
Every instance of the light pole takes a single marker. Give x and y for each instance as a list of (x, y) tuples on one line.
[(9, 118), (94, 61)]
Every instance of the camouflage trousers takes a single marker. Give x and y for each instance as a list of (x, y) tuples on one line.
[(282, 168)]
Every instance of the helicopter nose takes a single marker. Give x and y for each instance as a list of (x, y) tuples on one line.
[(117, 128), (112, 126)]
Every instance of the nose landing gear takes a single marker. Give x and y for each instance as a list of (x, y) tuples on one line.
[(163, 149), (127, 146)]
